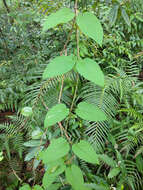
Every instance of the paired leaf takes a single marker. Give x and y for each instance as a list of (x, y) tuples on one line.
[(56, 114), (90, 26), (58, 66), (91, 71), (75, 178), (25, 187), (62, 16), (49, 177), (85, 151), (113, 172), (89, 112), (56, 150)]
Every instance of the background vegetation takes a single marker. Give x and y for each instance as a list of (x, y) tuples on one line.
[(24, 54)]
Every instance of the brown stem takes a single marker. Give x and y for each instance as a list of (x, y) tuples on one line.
[(6, 6)]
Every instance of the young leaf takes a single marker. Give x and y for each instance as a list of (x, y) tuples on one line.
[(27, 111), (89, 112), (85, 151), (91, 71), (75, 178), (56, 150), (55, 186), (62, 16), (58, 66), (113, 172), (125, 16), (90, 26), (56, 114)]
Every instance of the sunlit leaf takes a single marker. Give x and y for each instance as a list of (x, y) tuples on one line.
[(56, 150), (90, 112), (85, 151), (64, 15), (56, 114), (91, 71), (90, 26), (58, 66)]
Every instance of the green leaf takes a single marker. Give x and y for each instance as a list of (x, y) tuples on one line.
[(89, 112), (27, 111), (56, 114), (49, 177), (108, 160), (62, 16), (37, 187), (90, 26), (25, 187), (75, 178), (56, 150), (85, 151), (139, 163), (113, 15), (113, 172), (91, 71), (33, 143), (58, 66), (125, 16), (54, 186)]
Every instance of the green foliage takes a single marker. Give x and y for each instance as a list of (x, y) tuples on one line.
[(90, 112), (63, 63), (85, 151), (90, 26), (64, 15), (91, 71), (56, 114), (77, 99)]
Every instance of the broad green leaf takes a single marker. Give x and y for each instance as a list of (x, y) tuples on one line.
[(37, 187), (50, 177), (56, 150), (125, 16), (108, 160), (25, 187), (91, 71), (27, 111), (85, 151), (113, 14), (62, 16), (89, 112), (75, 178), (113, 172), (59, 66), (54, 186), (90, 26), (33, 152), (56, 114)]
